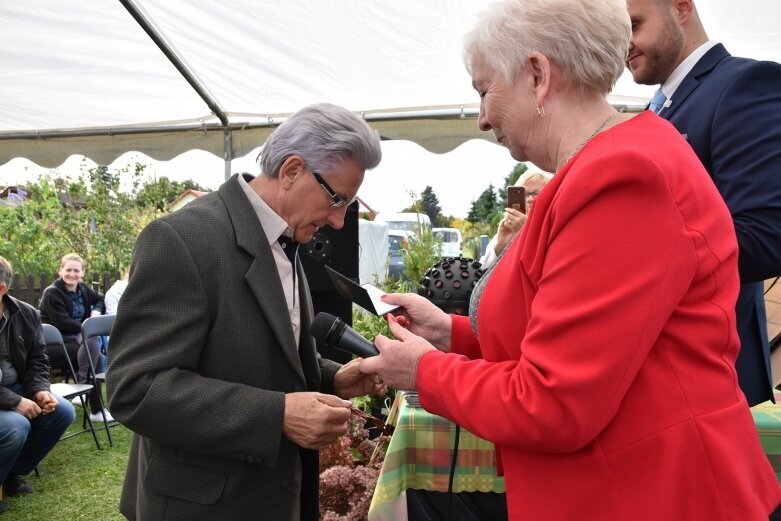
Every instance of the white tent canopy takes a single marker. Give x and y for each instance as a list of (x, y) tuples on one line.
[(80, 76)]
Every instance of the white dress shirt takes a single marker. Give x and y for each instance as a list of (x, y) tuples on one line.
[(274, 226)]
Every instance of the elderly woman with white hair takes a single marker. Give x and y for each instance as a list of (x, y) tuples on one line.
[(533, 182), (599, 352)]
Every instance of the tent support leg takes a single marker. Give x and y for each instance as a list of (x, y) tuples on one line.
[(228, 151)]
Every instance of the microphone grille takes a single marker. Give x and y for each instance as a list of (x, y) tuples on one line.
[(321, 325)]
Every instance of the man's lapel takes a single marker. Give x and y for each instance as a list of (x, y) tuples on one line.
[(693, 79), (262, 275)]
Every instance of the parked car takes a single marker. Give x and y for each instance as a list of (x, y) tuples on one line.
[(397, 243), (409, 221), (451, 241)]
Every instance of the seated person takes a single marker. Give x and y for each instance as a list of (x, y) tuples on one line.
[(32, 419), (532, 181), (114, 293), (65, 304)]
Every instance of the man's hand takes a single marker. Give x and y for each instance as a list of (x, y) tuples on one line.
[(46, 401), (315, 420), (349, 381), (28, 408)]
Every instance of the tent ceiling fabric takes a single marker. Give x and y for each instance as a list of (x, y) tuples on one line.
[(78, 76)]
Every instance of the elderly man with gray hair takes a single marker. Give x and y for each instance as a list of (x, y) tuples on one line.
[(212, 364)]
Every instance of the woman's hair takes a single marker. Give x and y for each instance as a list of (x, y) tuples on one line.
[(72, 257), (323, 135), (533, 175), (587, 39)]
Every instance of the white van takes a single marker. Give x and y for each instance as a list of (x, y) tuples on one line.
[(411, 222), (451, 241)]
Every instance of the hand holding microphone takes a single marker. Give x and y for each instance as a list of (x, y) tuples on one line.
[(349, 380), (395, 361)]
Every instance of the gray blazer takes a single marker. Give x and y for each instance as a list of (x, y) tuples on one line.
[(202, 354)]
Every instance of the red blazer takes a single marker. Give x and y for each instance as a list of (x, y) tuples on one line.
[(604, 367)]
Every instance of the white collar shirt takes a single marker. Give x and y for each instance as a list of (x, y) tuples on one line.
[(274, 226)]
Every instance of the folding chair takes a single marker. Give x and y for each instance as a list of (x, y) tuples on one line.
[(52, 337), (90, 328)]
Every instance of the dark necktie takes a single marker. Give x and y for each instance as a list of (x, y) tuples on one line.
[(289, 246)]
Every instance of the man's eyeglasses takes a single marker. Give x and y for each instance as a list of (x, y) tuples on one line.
[(337, 200), (532, 195)]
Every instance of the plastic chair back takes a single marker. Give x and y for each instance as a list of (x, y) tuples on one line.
[(97, 326)]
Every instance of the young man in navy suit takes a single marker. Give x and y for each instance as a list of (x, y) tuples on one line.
[(729, 109)]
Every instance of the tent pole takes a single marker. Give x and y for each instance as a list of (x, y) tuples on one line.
[(228, 151), (188, 75)]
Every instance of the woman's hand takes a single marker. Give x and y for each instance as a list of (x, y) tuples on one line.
[(513, 220), (421, 317), (511, 224), (397, 363)]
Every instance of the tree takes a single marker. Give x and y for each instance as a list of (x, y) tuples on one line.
[(89, 214), (484, 207), (114, 219), (160, 193), (429, 203)]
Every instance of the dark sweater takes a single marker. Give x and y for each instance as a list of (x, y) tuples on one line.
[(57, 308)]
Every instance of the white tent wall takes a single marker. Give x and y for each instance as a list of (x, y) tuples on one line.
[(80, 76), (372, 251)]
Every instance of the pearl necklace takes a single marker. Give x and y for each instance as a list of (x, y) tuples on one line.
[(597, 131)]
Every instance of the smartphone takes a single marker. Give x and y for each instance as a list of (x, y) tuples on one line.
[(516, 198)]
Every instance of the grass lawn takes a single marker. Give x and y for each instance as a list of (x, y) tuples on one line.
[(77, 480)]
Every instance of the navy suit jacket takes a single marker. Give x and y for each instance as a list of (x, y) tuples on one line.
[(729, 109)]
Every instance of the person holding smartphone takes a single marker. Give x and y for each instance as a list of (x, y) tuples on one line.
[(531, 182)]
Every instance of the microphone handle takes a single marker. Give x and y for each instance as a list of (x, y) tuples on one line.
[(352, 342)]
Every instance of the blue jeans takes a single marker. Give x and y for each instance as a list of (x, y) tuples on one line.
[(24, 443)]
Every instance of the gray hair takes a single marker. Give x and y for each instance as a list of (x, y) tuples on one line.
[(323, 135), (587, 39), (6, 272), (533, 175)]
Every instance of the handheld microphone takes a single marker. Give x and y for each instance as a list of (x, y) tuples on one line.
[(331, 331)]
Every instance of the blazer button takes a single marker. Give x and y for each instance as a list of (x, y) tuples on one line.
[(287, 485)]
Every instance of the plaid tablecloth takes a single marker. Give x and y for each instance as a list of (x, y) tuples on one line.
[(420, 452), (419, 457), (767, 417)]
